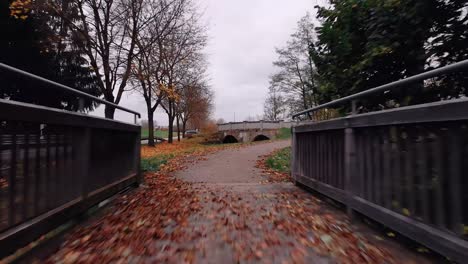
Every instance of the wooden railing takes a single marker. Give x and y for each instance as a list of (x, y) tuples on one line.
[(406, 168), (55, 164)]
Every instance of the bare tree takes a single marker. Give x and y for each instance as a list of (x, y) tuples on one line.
[(179, 49), (295, 77), (108, 32), (148, 64), (275, 105), (195, 105)]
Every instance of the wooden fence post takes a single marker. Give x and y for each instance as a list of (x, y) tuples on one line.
[(293, 154), (137, 155), (350, 167)]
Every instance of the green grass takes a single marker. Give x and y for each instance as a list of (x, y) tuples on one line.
[(154, 163), (157, 133), (280, 160), (284, 133)]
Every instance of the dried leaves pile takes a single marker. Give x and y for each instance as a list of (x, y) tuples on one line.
[(273, 226), (171, 221), (158, 211), (273, 175)]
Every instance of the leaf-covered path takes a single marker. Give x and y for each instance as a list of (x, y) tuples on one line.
[(221, 208)]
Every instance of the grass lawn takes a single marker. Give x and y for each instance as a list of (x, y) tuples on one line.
[(280, 160), (154, 163), (157, 133), (152, 158), (284, 133)]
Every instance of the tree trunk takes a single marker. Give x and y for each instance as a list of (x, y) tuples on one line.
[(109, 111), (184, 125), (170, 129), (178, 128), (150, 129)]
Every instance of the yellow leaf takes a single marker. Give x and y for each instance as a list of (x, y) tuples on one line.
[(406, 212)]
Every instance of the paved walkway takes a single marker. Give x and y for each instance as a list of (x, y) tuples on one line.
[(221, 210), (245, 220)]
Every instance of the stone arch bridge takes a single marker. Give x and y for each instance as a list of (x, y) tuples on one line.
[(249, 131)]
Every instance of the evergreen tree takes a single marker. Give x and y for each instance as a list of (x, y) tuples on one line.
[(39, 43), (364, 44)]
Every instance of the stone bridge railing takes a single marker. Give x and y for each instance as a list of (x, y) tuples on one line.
[(248, 125)]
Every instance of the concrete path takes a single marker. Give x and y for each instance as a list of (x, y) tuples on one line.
[(244, 220), (232, 165)]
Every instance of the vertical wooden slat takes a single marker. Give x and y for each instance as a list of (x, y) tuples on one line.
[(301, 155), (397, 172), (360, 162), (368, 160), (341, 162), (57, 182), (26, 176), (377, 171), (308, 160), (409, 171), (12, 177), (455, 144), (440, 179), (316, 156), (350, 166), (3, 199), (319, 161), (386, 174), (37, 173), (327, 158), (47, 177), (422, 174), (65, 172), (332, 161)]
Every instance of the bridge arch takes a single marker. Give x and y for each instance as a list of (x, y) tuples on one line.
[(260, 137), (230, 139)]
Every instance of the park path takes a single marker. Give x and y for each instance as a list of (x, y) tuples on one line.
[(244, 218), (217, 207)]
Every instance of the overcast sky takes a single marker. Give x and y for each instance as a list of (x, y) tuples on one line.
[(242, 35)]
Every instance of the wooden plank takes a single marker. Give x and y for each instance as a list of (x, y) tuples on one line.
[(369, 175), (328, 190), (377, 171), (386, 173), (423, 174), (320, 157), (47, 178), (332, 161), (350, 165), (46, 115), (12, 179), (410, 172), (57, 171), (455, 152), (341, 163), (26, 232), (308, 160), (445, 243), (37, 158), (360, 160), (396, 169), (316, 151), (328, 161), (437, 154), (26, 186)]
